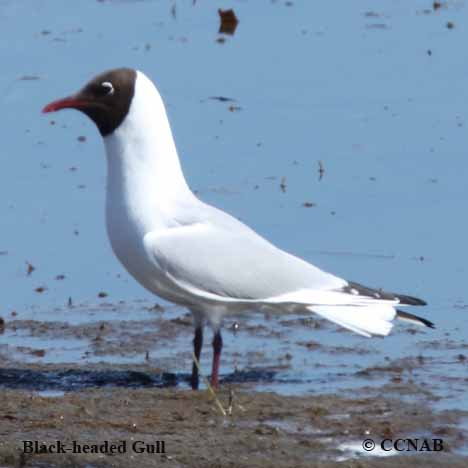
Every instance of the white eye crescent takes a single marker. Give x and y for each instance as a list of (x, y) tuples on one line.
[(107, 85)]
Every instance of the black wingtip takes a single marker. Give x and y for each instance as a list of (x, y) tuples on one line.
[(414, 318), (410, 300), (428, 323), (358, 288)]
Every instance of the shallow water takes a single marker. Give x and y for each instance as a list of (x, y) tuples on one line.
[(86, 346), (338, 82)]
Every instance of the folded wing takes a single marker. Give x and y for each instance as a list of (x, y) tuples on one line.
[(233, 263), (229, 263)]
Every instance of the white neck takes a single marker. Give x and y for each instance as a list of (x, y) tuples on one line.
[(143, 168)]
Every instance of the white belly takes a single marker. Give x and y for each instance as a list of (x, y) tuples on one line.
[(126, 237), (143, 179)]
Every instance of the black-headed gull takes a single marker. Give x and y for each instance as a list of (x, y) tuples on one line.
[(194, 254)]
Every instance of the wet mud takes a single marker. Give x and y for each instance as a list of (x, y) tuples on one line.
[(264, 429), (98, 378)]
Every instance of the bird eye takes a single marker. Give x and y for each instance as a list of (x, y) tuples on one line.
[(106, 88)]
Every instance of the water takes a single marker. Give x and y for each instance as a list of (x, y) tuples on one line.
[(374, 92)]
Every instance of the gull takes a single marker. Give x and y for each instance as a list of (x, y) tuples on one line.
[(193, 254)]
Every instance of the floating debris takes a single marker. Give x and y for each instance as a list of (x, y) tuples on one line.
[(40, 289), (309, 204), (81, 138), (229, 21), (283, 184), (450, 24), (321, 170), (222, 99), (102, 294), (30, 268)]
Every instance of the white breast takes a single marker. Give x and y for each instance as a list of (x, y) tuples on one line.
[(144, 183)]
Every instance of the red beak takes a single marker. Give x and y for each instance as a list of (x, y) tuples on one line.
[(70, 102)]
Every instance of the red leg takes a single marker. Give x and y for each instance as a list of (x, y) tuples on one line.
[(217, 347), (197, 346)]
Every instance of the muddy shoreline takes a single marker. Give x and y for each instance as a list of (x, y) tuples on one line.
[(263, 430), (91, 376)]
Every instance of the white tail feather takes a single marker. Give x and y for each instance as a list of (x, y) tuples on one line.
[(365, 320), (364, 315)]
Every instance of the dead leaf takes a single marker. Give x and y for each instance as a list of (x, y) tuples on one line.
[(229, 21)]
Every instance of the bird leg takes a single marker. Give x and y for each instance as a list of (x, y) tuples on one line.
[(197, 346), (217, 347)]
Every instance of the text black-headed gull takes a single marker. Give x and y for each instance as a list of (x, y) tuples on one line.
[(194, 254)]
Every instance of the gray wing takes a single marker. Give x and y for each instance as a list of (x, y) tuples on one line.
[(213, 252)]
